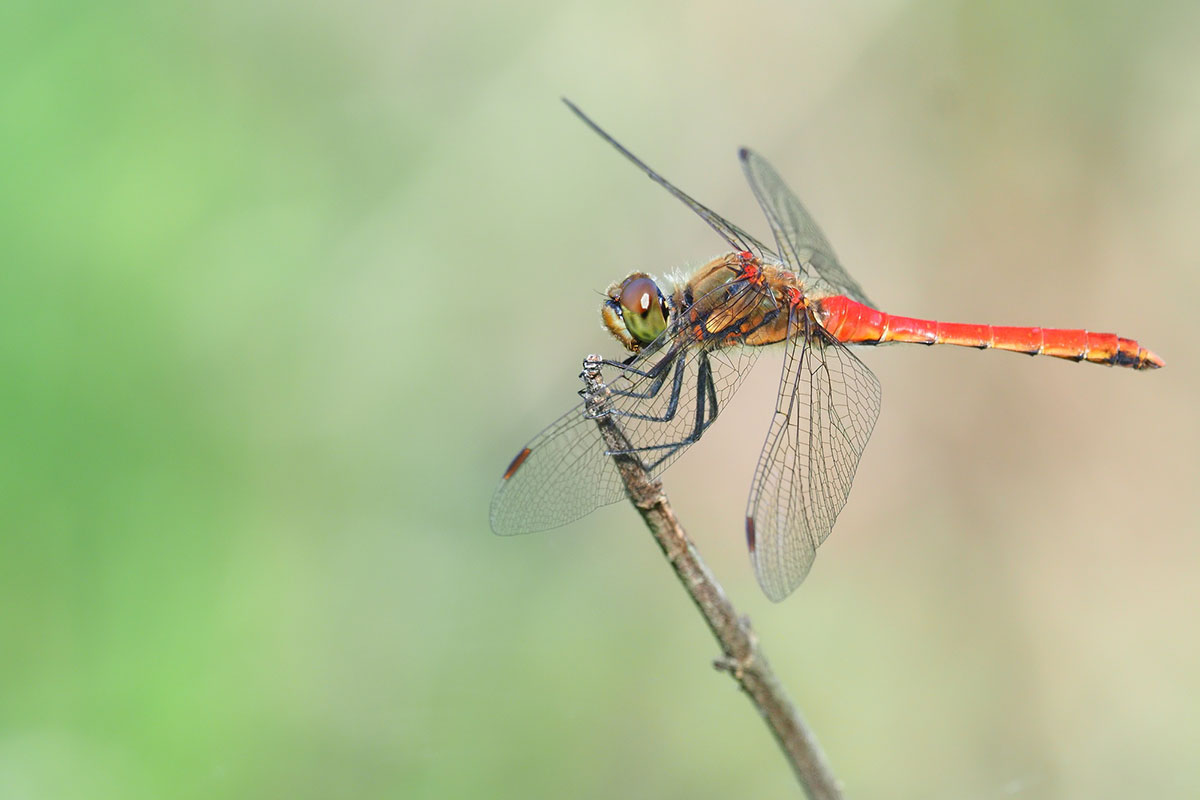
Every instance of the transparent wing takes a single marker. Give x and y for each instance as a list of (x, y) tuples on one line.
[(664, 399), (828, 402), (799, 239), (558, 477), (732, 234)]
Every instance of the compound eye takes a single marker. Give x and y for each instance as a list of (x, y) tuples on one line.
[(643, 311), (639, 295)]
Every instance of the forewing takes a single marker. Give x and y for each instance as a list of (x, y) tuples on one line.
[(828, 403), (732, 234), (797, 235), (663, 402)]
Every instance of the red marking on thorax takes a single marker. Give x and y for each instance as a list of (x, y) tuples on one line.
[(750, 270)]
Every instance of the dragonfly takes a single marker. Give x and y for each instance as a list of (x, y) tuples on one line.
[(691, 340)]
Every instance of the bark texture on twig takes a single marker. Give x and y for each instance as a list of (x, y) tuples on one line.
[(742, 657)]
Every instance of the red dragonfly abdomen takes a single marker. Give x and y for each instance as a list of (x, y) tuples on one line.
[(852, 322)]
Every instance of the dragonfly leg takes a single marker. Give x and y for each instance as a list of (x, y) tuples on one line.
[(711, 389), (657, 373), (705, 414), (654, 390)]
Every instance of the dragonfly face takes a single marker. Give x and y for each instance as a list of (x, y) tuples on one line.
[(636, 312), (693, 341)]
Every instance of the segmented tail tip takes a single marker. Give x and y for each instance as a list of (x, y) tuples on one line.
[(1148, 359)]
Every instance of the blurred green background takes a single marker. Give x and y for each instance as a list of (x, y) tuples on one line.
[(285, 285)]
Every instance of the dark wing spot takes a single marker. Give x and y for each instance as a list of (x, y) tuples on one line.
[(516, 463), (750, 540)]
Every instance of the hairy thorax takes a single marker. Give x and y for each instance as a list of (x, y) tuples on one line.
[(717, 300)]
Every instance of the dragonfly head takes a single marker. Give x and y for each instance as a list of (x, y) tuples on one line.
[(636, 311)]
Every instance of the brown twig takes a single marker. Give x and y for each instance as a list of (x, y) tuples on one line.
[(742, 657)]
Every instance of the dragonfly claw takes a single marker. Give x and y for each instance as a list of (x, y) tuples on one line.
[(594, 392)]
